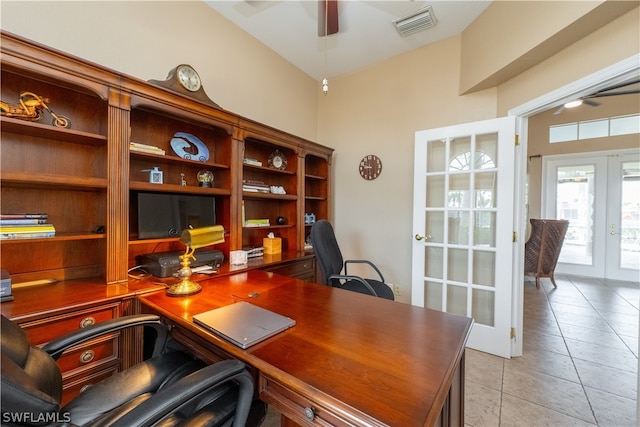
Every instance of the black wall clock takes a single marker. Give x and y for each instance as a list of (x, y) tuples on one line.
[(370, 167)]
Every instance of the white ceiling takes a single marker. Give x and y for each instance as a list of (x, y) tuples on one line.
[(366, 32)]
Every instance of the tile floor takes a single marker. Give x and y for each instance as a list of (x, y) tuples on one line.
[(579, 365)]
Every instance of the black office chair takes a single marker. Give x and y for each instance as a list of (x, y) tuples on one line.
[(332, 264), (170, 388)]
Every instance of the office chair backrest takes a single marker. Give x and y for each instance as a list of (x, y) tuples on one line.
[(326, 249), (31, 379)]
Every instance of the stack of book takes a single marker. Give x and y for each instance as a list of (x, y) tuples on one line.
[(255, 186), (250, 161), (144, 148), (261, 222), (25, 226)]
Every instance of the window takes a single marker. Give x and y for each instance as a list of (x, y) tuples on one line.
[(614, 126)]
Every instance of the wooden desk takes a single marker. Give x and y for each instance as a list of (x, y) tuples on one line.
[(352, 359)]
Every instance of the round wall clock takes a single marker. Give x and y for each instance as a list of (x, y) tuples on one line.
[(370, 167), (277, 160)]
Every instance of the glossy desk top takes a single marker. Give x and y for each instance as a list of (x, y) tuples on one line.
[(384, 361)]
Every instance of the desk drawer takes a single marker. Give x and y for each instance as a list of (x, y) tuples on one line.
[(296, 407), (44, 330), (304, 269), (90, 354)]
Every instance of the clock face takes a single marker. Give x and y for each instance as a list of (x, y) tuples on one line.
[(370, 167), (189, 78)]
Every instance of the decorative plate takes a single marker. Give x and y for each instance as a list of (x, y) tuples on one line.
[(277, 160)]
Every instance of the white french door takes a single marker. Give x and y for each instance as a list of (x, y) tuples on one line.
[(599, 193), (463, 226)]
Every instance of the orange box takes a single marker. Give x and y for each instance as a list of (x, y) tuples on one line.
[(272, 245)]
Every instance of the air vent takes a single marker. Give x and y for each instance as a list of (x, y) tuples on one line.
[(416, 21)]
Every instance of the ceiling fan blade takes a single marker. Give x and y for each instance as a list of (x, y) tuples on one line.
[(559, 110), (327, 17), (590, 102)]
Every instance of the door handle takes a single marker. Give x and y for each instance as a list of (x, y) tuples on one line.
[(420, 236), (613, 233)]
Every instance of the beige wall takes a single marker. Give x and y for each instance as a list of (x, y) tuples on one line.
[(146, 39), (512, 36), (375, 111)]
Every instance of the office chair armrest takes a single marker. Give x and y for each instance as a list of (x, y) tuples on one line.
[(198, 385), (363, 261), (56, 347), (356, 278)]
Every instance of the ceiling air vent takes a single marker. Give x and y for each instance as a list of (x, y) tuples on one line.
[(416, 21)]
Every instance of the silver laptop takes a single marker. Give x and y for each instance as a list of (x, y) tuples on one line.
[(243, 323)]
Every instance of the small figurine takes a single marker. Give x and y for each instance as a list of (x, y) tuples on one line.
[(31, 108)]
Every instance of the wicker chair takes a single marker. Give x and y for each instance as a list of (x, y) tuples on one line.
[(542, 250)]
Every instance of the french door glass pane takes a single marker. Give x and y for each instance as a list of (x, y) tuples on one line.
[(482, 307), (459, 227), (436, 156), (486, 151), (574, 201), (458, 265), (433, 295), (484, 233), (457, 300), (630, 221), (435, 191), (434, 226), (433, 262), (484, 268)]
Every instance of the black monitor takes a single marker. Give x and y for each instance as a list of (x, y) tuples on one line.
[(166, 215)]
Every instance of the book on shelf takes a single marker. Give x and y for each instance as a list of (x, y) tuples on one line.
[(250, 161), (255, 186), (24, 216), (260, 222), (27, 231), (22, 221), (30, 235)]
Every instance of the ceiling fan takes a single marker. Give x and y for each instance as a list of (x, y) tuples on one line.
[(610, 91), (327, 17)]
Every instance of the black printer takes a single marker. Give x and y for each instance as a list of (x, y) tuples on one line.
[(165, 264)]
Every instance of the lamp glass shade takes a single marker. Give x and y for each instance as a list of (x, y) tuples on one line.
[(199, 237)]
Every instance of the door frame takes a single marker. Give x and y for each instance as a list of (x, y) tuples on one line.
[(611, 75)]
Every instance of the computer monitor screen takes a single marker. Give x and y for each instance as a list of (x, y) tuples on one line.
[(166, 215)]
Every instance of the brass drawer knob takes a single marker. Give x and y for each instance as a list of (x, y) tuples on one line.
[(87, 356), (87, 321), (310, 413)]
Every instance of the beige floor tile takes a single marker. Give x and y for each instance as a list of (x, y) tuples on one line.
[(612, 410), (610, 380), (483, 368), (545, 390), (520, 412), (535, 340), (604, 355), (481, 405), (546, 362)]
